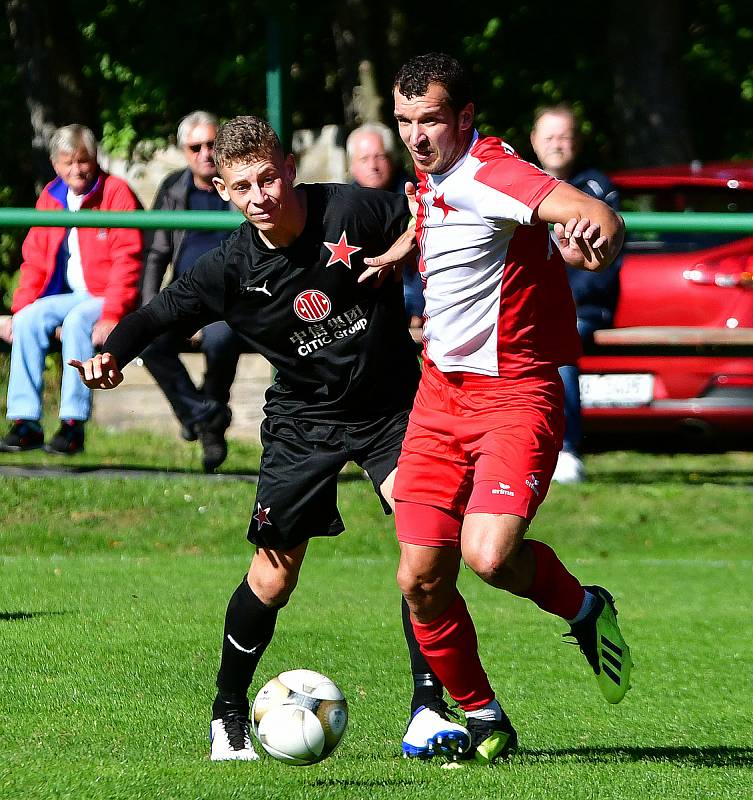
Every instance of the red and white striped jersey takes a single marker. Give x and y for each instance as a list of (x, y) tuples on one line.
[(497, 298)]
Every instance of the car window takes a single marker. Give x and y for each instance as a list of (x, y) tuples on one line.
[(688, 198)]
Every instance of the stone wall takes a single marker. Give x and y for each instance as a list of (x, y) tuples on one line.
[(139, 403)]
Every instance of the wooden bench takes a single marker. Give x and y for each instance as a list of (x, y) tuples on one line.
[(673, 341)]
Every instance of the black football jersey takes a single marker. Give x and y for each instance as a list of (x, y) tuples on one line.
[(341, 349)]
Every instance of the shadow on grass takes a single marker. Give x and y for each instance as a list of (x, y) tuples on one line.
[(663, 443), (339, 783), (12, 616), (119, 471), (688, 756), (139, 471), (695, 477)]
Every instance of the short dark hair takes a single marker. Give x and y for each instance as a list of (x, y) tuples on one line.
[(414, 77), (244, 139)]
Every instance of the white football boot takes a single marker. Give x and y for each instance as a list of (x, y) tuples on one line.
[(430, 733), (231, 739)]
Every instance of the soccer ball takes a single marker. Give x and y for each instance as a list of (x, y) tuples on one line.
[(299, 717)]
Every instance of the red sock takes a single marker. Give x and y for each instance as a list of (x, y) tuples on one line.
[(553, 588), (450, 646)]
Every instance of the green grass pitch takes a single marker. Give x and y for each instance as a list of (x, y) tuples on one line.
[(113, 593)]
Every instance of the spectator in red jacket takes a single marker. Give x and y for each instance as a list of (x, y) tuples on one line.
[(82, 280)]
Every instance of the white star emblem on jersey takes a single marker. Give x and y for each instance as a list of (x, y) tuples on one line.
[(262, 515), (341, 251)]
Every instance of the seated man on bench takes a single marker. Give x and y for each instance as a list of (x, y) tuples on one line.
[(79, 280)]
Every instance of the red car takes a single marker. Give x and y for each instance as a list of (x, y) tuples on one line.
[(678, 279)]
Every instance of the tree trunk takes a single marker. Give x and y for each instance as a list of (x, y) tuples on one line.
[(45, 41), (651, 125), (353, 30)]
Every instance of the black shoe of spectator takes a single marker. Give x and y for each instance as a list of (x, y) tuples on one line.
[(68, 440), (24, 434), (211, 435)]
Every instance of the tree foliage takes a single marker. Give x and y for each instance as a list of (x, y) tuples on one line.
[(651, 81)]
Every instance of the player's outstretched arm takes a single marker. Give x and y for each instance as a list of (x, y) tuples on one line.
[(588, 231), (99, 372), (390, 262)]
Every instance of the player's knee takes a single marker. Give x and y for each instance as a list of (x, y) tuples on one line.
[(407, 581), (418, 587), (493, 566), (274, 589)]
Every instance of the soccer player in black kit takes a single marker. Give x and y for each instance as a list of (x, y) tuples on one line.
[(286, 281)]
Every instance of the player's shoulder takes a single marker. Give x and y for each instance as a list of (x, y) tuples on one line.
[(500, 167), (492, 148), (238, 241), (353, 201)]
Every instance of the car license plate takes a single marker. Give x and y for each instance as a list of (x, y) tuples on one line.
[(626, 390)]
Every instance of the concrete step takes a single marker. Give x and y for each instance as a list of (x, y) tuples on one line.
[(139, 403)]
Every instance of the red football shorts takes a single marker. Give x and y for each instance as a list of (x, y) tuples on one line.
[(476, 444)]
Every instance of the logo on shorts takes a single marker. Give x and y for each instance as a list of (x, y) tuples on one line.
[(504, 488), (312, 305), (532, 482), (262, 515)]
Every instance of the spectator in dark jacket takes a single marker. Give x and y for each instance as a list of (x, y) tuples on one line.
[(556, 141), (202, 411), (82, 280)]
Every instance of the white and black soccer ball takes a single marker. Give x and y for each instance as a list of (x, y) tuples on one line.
[(299, 717)]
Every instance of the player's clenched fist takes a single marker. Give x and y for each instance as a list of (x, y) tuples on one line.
[(582, 244), (99, 372)]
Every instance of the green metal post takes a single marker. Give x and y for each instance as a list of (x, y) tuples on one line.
[(277, 77)]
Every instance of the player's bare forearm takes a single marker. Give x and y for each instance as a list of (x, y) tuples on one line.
[(99, 372), (589, 233)]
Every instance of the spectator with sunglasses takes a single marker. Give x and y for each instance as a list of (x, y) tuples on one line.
[(202, 411)]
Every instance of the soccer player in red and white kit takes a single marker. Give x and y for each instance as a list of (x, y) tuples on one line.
[(487, 423)]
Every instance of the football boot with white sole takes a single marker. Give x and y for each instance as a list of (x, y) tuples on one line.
[(431, 733), (231, 739)]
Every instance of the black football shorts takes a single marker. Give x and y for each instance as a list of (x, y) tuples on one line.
[(296, 497)]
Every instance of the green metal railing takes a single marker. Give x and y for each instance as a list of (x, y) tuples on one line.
[(222, 220), (146, 220), (673, 222)]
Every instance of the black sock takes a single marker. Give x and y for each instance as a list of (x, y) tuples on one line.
[(249, 625), (427, 688)]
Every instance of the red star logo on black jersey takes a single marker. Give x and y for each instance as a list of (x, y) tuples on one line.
[(341, 251), (262, 515), (441, 203)]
